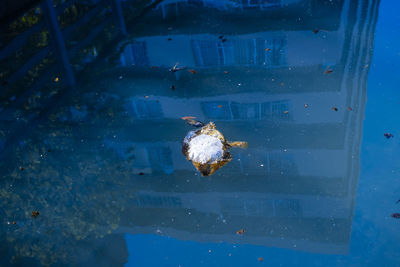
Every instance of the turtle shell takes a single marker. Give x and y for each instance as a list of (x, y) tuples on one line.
[(207, 149)]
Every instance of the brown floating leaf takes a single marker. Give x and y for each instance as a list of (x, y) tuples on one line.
[(267, 49), (349, 109), (219, 106), (240, 232), (14, 222), (192, 71), (335, 108), (169, 39), (260, 259), (315, 31), (396, 215), (188, 118), (21, 168), (225, 71), (328, 71), (35, 213)]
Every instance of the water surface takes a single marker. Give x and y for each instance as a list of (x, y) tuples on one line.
[(316, 186)]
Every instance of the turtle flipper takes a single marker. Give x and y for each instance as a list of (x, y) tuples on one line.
[(240, 144), (194, 123)]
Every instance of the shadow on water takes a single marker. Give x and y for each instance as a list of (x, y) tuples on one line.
[(289, 78)]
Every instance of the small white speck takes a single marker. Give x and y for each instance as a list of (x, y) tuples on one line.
[(262, 165)]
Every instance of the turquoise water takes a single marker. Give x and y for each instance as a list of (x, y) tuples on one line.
[(310, 85)]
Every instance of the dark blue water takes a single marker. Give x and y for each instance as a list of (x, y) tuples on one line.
[(312, 86)]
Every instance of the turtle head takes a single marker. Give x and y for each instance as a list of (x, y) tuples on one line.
[(211, 125)]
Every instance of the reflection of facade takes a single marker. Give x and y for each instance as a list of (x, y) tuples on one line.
[(295, 185)]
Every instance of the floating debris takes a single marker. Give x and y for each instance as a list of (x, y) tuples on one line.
[(175, 68), (13, 222), (226, 72), (260, 259), (21, 168), (318, 30), (219, 106), (146, 96), (396, 215), (188, 118), (224, 40), (221, 36), (388, 135), (335, 108), (282, 84), (207, 148), (328, 71), (349, 109), (192, 71), (154, 67), (169, 39), (35, 213), (173, 87), (240, 232), (306, 105), (141, 173), (267, 49), (286, 112), (56, 79)]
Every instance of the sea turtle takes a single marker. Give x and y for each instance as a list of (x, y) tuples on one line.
[(207, 149)]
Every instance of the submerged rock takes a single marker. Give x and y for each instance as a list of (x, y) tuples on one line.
[(207, 149)]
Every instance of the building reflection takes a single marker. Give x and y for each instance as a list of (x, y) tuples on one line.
[(294, 187)]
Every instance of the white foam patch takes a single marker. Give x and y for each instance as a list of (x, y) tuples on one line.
[(205, 148)]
